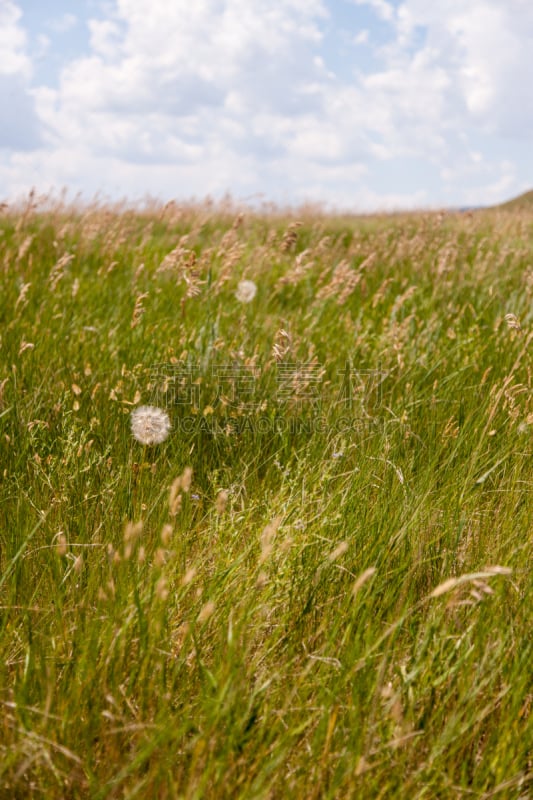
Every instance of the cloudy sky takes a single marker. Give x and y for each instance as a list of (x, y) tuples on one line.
[(356, 104)]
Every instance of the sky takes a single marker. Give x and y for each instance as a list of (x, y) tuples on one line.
[(357, 105)]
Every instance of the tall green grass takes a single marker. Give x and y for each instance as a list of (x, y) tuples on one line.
[(339, 605)]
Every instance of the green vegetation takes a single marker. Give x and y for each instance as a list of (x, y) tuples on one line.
[(336, 601), (524, 203)]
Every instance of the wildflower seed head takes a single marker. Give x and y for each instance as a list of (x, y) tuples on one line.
[(246, 291), (150, 425)]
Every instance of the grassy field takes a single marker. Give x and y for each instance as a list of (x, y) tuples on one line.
[(318, 584)]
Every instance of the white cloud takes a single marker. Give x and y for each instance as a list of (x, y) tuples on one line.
[(190, 98), (64, 23), (383, 9), (362, 37), (13, 57), (19, 126), (485, 46), (187, 80)]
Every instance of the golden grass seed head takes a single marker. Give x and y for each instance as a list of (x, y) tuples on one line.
[(362, 579), (186, 479), (61, 544), (261, 580), (132, 531), (161, 588), (189, 576), (339, 551), (181, 484), (513, 323), (207, 611), (166, 534), (221, 501)]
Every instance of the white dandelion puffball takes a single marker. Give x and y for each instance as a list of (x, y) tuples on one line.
[(150, 425), (246, 291)]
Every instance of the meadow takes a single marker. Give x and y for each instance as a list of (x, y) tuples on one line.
[(318, 584)]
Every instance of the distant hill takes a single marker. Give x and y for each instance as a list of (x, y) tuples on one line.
[(524, 202)]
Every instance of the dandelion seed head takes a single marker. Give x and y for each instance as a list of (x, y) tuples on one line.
[(246, 291), (150, 425)]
